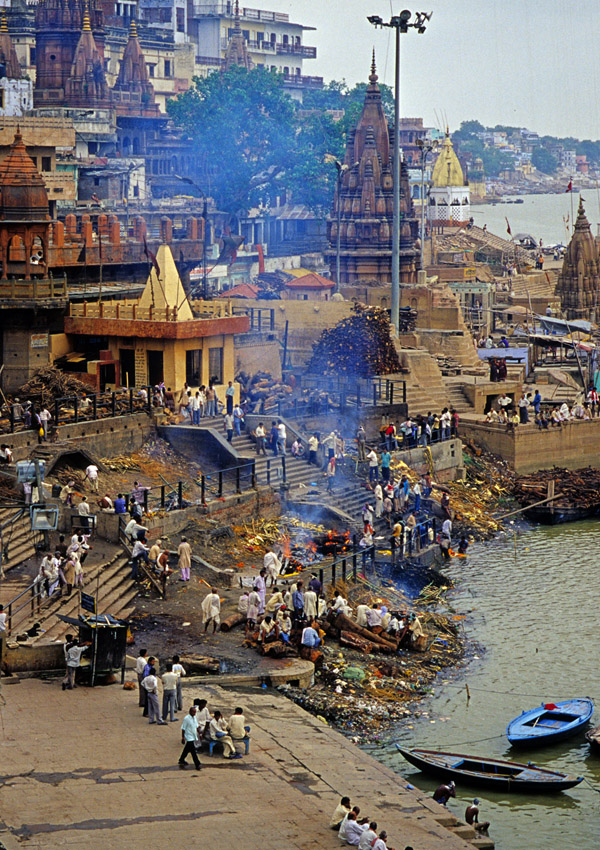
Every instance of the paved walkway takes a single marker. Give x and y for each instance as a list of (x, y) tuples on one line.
[(82, 770)]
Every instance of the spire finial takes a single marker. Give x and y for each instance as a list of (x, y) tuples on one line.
[(3, 22), (87, 27), (133, 33), (373, 75)]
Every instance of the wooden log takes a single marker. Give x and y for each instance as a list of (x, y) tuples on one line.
[(310, 654), (344, 623), (231, 622), (354, 641), (195, 664)]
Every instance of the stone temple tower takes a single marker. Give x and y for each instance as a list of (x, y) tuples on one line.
[(579, 280), (365, 203)]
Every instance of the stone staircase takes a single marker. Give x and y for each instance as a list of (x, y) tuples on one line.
[(299, 475), (18, 540), (109, 579), (456, 395)]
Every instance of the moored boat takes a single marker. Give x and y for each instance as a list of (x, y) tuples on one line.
[(560, 512), (489, 773), (550, 722)]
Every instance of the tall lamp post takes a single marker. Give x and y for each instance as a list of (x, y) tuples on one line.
[(425, 150), (190, 182), (401, 24)]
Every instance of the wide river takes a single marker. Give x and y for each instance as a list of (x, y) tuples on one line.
[(541, 216), (530, 600)]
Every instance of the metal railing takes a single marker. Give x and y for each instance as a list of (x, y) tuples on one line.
[(237, 479), (32, 601), (70, 410), (261, 318)]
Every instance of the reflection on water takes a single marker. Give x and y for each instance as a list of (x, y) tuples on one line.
[(532, 606)]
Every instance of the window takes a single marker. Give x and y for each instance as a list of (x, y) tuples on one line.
[(215, 365), (46, 163), (1, 98), (285, 39), (180, 20), (136, 191), (260, 36), (32, 55), (246, 34), (96, 181), (193, 367), (151, 69), (167, 67)]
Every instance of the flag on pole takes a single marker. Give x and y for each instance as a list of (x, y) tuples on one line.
[(508, 230), (570, 186), (151, 257)]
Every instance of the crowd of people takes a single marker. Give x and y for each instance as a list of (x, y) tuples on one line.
[(530, 408), (61, 570), (161, 700), (296, 615), (356, 830)]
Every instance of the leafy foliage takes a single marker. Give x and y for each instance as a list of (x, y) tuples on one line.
[(243, 125), (256, 141)]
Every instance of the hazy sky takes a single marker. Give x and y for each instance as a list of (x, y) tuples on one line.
[(532, 63)]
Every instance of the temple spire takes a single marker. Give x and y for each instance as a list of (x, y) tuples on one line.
[(86, 19)]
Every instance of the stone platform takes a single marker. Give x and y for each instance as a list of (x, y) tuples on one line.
[(82, 769)]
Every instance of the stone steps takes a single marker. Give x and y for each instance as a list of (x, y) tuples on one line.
[(18, 540), (298, 472), (116, 593)]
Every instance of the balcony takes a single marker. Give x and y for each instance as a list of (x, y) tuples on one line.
[(226, 10), (297, 50), (303, 81)]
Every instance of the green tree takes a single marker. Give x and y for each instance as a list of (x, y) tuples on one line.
[(243, 125), (543, 160), (312, 173)]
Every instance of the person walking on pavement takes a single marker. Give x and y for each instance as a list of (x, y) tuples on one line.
[(211, 610), (189, 739)]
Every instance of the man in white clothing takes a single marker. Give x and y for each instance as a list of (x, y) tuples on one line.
[(211, 610), (91, 473), (189, 737), (237, 726), (361, 615), (354, 831), (374, 616), (381, 843), (310, 604), (218, 732), (272, 565), (368, 837)]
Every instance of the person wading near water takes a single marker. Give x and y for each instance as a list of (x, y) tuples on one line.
[(472, 817)]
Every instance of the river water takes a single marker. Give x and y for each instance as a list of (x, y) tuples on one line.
[(530, 600), (541, 216)]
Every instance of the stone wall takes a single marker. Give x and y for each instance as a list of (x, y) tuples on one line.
[(574, 445), (102, 437)]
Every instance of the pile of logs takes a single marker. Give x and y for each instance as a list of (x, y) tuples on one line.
[(579, 487), (360, 346), (355, 637), (49, 383), (261, 391)]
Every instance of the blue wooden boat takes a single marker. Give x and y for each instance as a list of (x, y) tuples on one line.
[(550, 722), (489, 773)]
